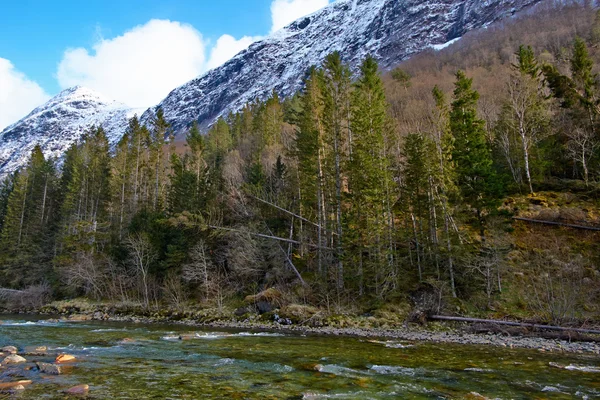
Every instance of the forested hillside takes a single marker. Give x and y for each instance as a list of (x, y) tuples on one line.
[(360, 192)]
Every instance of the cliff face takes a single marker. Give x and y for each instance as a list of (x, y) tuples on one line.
[(390, 30)]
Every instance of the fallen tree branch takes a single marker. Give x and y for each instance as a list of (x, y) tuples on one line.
[(512, 323)]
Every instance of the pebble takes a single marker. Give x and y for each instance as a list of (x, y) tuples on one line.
[(79, 389)]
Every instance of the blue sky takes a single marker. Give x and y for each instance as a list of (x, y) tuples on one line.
[(133, 51)]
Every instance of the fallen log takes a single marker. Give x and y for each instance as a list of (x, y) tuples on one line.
[(538, 221), (546, 334), (513, 323)]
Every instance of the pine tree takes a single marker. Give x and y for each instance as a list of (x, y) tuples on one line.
[(369, 176), (310, 153), (579, 95), (85, 209), (336, 87), (471, 153), (159, 159), (7, 185), (28, 234)]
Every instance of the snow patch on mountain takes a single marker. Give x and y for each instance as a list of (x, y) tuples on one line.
[(389, 30)]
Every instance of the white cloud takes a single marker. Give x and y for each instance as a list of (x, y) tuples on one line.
[(140, 67), (226, 47), (284, 12), (18, 95)]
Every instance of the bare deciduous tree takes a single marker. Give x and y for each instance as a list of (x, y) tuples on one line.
[(87, 273), (141, 256), (581, 146), (198, 270)]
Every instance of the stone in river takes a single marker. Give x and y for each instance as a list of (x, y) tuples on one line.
[(17, 388), (36, 350), (13, 359), (48, 368), (9, 349), (80, 317), (63, 358), (13, 385), (79, 389)]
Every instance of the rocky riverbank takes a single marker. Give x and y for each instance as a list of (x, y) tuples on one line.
[(435, 332)]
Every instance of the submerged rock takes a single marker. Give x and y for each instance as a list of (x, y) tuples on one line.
[(36, 350), (80, 317), (47, 368), (14, 359), (79, 389), (14, 385)]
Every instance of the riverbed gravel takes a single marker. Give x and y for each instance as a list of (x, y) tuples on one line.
[(411, 334)]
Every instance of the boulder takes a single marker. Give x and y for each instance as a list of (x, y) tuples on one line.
[(79, 389), (265, 301), (9, 349), (64, 358), (13, 385), (13, 359), (264, 307), (47, 368)]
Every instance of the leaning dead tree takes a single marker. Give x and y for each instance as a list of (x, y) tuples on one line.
[(8, 293)]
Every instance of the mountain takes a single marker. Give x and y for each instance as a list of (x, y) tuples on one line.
[(59, 123), (390, 30)]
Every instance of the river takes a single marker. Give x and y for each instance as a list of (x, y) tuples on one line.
[(137, 361)]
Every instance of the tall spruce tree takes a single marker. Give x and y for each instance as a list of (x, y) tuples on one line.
[(336, 88), (370, 179), (471, 153)]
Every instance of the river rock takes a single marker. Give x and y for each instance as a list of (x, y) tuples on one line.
[(14, 359), (14, 385), (36, 350), (80, 317), (79, 389), (64, 358), (17, 388), (9, 349), (48, 368)]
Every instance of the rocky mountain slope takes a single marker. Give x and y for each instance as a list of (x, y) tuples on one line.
[(59, 123), (390, 30)]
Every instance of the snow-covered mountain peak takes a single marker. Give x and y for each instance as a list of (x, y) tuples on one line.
[(60, 122)]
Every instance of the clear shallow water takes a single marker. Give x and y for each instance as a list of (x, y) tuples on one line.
[(132, 361)]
